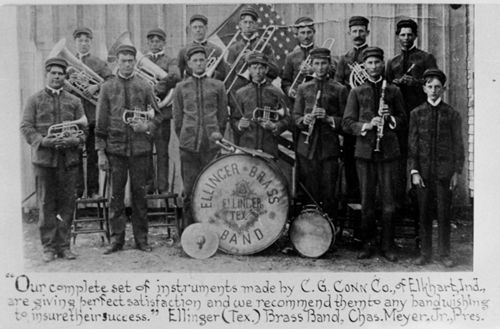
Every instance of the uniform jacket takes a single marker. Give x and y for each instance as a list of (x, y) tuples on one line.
[(200, 109), (164, 86), (250, 97), (292, 66), (324, 142), (112, 134), (435, 145), (362, 106), (220, 71), (101, 68), (399, 65), (343, 71), (43, 110)]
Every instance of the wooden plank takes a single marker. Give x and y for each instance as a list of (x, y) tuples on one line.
[(94, 17)]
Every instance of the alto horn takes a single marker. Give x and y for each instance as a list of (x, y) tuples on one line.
[(67, 128), (268, 114), (358, 74), (80, 75)]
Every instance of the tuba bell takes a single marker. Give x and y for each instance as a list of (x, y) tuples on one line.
[(358, 74), (67, 128), (144, 67), (80, 75)]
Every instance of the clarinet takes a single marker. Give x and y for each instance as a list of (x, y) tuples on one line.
[(380, 126), (311, 125)]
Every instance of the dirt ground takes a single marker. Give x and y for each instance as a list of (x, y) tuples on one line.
[(169, 257)]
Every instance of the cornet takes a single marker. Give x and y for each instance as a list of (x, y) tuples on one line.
[(136, 115), (268, 114), (67, 129), (358, 74), (80, 75)]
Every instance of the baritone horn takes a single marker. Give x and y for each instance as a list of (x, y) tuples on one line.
[(67, 128), (136, 115), (144, 68), (268, 114), (299, 78), (80, 75), (358, 74)]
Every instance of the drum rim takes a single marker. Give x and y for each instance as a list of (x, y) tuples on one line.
[(283, 179), (331, 225)]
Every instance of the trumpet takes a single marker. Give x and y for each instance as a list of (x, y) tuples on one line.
[(380, 126), (268, 114), (259, 46), (358, 74), (213, 61), (310, 128), (80, 75), (136, 115), (67, 129), (299, 78)]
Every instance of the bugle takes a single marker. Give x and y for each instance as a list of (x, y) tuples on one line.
[(80, 75), (358, 74)]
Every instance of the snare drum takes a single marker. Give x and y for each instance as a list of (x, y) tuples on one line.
[(312, 233), (245, 199)]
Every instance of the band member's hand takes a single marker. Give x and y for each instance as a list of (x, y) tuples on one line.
[(68, 142), (102, 161), (409, 80), (376, 121), (244, 123), (453, 181), (292, 92), (268, 125), (49, 141), (308, 119), (417, 180), (139, 126), (91, 90), (306, 68), (319, 112)]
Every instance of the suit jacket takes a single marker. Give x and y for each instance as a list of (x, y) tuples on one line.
[(324, 142), (435, 144), (343, 71), (362, 106)]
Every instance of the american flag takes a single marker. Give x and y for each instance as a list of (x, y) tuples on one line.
[(283, 40)]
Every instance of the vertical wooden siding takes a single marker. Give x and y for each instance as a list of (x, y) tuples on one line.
[(443, 32)]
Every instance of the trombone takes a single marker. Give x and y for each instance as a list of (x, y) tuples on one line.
[(299, 78), (213, 62)]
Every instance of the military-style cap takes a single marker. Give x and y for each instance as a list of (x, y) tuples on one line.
[(61, 62), (323, 53), (358, 20), (435, 73), (158, 33), (198, 17), (407, 23), (372, 51), (82, 30), (126, 49), (259, 58), (303, 22), (249, 11), (195, 49)]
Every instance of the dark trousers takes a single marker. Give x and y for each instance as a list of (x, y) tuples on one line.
[(401, 179), (56, 194), (372, 174), (92, 168), (320, 179), (436, 193), (351, 176), (138, 169), (161, 141), (192, 164)]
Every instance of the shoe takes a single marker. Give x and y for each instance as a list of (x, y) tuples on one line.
[(422, 260), (113, 248), (447, 261), (66, 254), (366, 252), (48, 256), (144, 247), (390, 255)]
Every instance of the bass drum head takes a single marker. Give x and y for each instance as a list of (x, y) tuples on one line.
[(311, 234), (245, 200)]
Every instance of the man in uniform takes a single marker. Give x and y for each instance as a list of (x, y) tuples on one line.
[(261, 133), (365, 115), (125, 148), (406, 70), (156, 44), (55, 159), (198, 25), (200, 109), (83, 43), (318, 110)]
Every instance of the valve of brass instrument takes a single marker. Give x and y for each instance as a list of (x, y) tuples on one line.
[(136, 115)]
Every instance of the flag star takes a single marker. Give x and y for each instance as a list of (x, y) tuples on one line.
[(287, 39), (275, 39), (280, 45), (278, 17), (282, 34), (271, 21), (286, 51), (278, 57), (261, 8), (283, 22), (266, 15)]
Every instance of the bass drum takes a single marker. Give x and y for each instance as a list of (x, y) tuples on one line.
[(245, 199), (312, 233)]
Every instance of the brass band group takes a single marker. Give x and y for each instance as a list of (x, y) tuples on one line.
[(382, 120)]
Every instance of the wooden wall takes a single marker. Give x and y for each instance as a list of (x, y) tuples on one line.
[(445, 32)]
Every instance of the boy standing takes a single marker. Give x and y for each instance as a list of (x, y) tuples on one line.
[(435, 159)]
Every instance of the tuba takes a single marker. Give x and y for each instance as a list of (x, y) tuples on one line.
[(328, 43), (80, 75), (67, 128), (358, 75), (144, 68)]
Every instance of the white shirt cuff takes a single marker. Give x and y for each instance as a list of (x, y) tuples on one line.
[(392, 122), (413, 171), (363, 129)]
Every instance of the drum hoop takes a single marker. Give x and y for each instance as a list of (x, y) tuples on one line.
[(275, 168)]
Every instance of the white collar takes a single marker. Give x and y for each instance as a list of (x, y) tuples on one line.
[(414, 45), (80, 55), (436, 103), (307, 46), (253, 36), (199, 76), (200, 42), (160, 53), (124, 77), (378, 80), (55, 91), (359, 47)]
